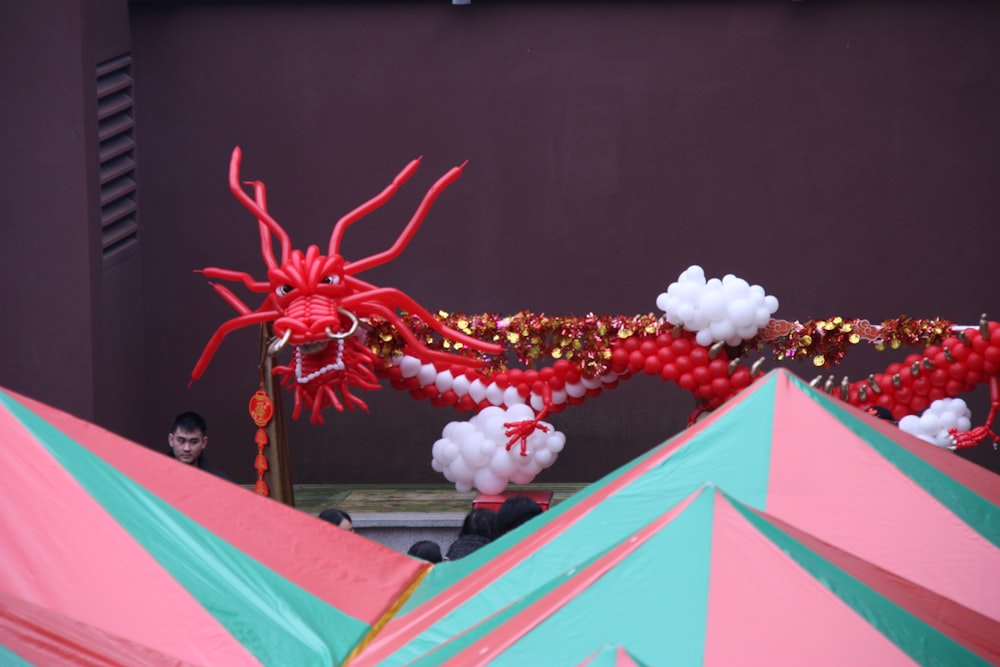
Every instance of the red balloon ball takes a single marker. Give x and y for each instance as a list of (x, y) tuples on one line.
[(919, 403), (648, 347), (741, 378), (687, 381), (681, 347), (699, 356), (975, 361), (665, 354), (670, 372), (636, 360), (631, 343), (653, 365), (721, 387), (702, 375), (719, 368)]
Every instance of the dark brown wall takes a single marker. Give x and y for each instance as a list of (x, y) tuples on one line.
[(69, 323), (841, 154)]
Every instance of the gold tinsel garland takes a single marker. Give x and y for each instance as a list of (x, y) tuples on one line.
[(588, 341)]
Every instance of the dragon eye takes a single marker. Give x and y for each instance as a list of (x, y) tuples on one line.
[(332, 280), (283, 290)]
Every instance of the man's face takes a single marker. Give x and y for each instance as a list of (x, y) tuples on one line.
[(187, 445)]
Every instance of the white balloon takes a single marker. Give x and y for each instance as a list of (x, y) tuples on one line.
[(409, 366), (427, 374), (537, 402), (772, 303), (558, 397), (472, 451), (521, 476), (463, 487), (447, 452), (477, 391), (930, 423), (761, 317), (576, 390), (964, 424), (487, 482), (511, 397), (436, 466), (494, 394), (460, 470), (501, 464), (713, 304), (556, 441), (443, 381), (519, 413), (741, 313), (460, 385), (545, 457), (704, 337), (722, 330)]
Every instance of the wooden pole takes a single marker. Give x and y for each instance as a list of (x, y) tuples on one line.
[(279, 469)]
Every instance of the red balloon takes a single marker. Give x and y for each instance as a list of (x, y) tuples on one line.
[(684, 364), (538, 387), (619, 359), (524, 389), (921, 385), (687, 381), (664, 340), (919, 403), (648, 347), (631, 343), (939, 377), (699, 356), (702, 375), (954, 387), (681, 347), (670, 372), (636, 360), (741, 378), (547, 373), (721, 387), (653, 365), (665, 354), (975, 361), (719, 368), (936, 394), (958, 371), (992, 354), (705, 391)]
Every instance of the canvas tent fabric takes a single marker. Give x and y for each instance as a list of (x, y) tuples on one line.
[(781, 447), (134, 551), (712, 582)]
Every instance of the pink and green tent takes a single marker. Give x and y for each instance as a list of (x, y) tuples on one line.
[(808, 461), (714, 582), (111, 553)]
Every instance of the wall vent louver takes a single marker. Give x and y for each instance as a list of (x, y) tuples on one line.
[(116, 154)]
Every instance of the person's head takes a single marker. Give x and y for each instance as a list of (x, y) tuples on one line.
[(881, 412), (515, 511), (339, 518), (188, 437), (479, 521), (427, 550)]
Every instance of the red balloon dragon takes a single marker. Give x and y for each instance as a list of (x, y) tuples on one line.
[(345, 334)]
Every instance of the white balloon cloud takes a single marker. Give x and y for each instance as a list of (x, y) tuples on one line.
[(729, 310), (934, 423), (473, 453)]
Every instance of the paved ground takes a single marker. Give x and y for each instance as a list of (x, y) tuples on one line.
[(402, 498)]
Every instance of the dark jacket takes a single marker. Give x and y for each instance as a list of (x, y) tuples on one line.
[(201, 464)]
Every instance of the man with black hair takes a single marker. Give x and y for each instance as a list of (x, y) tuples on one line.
[(188, 438)]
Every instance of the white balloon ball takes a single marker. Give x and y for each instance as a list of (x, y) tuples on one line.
[(661, 301), (930, 423), (443, 381), (685, 313), (771, 303), (409, 366), (436, 466), (910, 424), (545, 457), (447, 452), (460, 470), (494, 394), (556, 441), (713, 304), (704, 337), (741, 313), (477, 391), (517, 413), (520, 476), (761, 317), (427, 374), (964, 424), (501, 464), (487, 482), (576, 389), (463, 487), (511, 397), (472, 451), (722, 330), (460, 385)]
